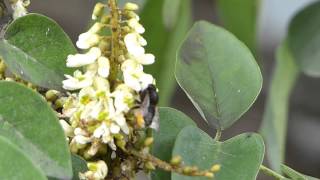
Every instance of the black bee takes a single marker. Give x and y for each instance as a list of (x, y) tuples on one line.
[(147, 114)]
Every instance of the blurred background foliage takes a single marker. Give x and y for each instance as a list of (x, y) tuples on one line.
[(262, 25)]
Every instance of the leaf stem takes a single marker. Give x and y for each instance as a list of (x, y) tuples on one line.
[(218, 135), (167, 166), (271, 173)]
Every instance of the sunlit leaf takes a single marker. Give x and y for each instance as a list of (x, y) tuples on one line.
[(36, 48), (218, 73)]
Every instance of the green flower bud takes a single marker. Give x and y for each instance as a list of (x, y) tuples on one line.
[(176, 160), (51, 95), (131, 6), (148, 141), (149, 166), (215, 168), (98, 10)]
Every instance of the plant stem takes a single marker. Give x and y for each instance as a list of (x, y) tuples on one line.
[(115, 34), (166, 166), (271, 173), (218, 135)]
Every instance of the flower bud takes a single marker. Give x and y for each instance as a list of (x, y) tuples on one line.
[(148, 141), (131, 6), (51, 95), (176, 160), (149, 166), (98, 11), (215, 168)]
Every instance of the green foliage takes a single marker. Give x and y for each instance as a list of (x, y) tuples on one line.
[(172, 122), (304, 39), (274, 127), (240, 157), (164, 42), (36, 48), (29, 123), (79, 165), (219, 74), (240, 18), (15, 165)]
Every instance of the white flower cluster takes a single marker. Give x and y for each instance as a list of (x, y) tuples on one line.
[(19, 8), (96, 113)]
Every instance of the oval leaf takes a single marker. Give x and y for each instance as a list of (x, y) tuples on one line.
[(218, 73), (28, 121), (36, 48), (171, 123), (16, 165), (240, 157), (304, 39)]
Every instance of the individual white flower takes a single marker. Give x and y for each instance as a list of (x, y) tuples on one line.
[(121, 121), (103, 66), (78, 81), (134, 77), (144, 59), (123, 98), (71, 106), (19, 9), (96, 28), (97, 171), (86, 95), (134, 43), (114, 128), (136, 26), (91, 111), (81, 137), (87, 40), (79, 60), (101, 85), (68, 130), (82, 140)]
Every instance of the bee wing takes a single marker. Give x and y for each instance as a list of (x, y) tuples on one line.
[(144, 105), (155, 121)]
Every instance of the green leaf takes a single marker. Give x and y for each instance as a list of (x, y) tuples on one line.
[(240, 18), (240, 157), (304, 39), (29, 122), (15, 165), (274, 125), (36, 48), (79, 165), (294, 175), (218, 73), (163, 43), (171, 123)]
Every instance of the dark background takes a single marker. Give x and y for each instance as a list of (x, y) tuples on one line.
[(303, 145)]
